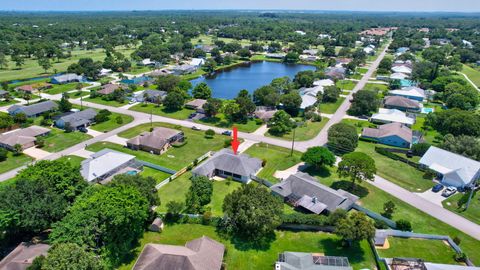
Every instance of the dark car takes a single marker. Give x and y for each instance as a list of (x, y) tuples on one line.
[(83, 129), (192, 115), (227, 133), (437, 188)]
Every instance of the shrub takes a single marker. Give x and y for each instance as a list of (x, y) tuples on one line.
[(264, 162), (258, 121), (404, 225), (305, 219), (460, 257), (420, 149), (3, 154), (380, 224), (40, 142), (119, 120), (457, 240), (209, 133)]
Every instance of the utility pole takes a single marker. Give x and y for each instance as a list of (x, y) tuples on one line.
[(151, 118), (472, 190), (293, 141)]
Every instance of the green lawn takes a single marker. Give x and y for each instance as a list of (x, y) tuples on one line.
[(31, 69), (176, 157), (362, 70), (158, 175), (331, 108), (435, 251), (278, 159), (375, 87), (13, 162), (397, 172), (473, 212), (138, 70), (6, 103), (60, 88), (303, 133), (99, 100), (220, 121), (346, 84), (74, 160), (473, 74), (112, 124), (429, 134), (238, 256), (359, 124), (160, 110), (59, 140)]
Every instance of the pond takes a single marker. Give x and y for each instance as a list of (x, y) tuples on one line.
[(226, 84)]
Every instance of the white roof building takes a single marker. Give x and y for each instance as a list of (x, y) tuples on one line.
[(402, 69), (392, 116), (309, 95), (104, 72), (147, 62), (398, 76), (455, 170), (300, 33), (197, 62), (369, 50), (411, 92), (323, 83), (104, 163)]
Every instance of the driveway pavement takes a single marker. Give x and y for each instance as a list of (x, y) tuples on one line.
[(116, 139), (433, 197), (93, 133), (36, 153), (82, 153)]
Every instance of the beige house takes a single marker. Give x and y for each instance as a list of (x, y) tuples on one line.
[(157, 141), (26, 137)]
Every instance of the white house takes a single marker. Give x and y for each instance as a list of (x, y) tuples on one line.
[(398, 76), (105, 164), (300, 33), (309, 95), (453, 169), (197, 62), (402, 69), (392, 116), (104, 72), (147, 62), (413, 92)]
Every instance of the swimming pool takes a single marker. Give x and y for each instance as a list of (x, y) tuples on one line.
[(131, 173), (427, 110)]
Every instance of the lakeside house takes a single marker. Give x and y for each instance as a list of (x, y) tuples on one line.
[(401, 103), (305, 192), (26, 137), (265, 113), (67, 78), (394, 134), (402, 69), (106, 163), (202, 253), (386, 116), (289, 260), (21, 258), (150, 95), (34, 110), (452, 169), (137, 80), (336, 73), (225, 163), (309, 95), (196, 104), (31, 88), (183, 69), (76, 120), (157, 141), (197, 62)]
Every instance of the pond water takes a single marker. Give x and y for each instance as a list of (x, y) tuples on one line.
[(226, 84)]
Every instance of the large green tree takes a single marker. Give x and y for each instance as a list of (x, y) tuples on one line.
[(355, 228), (199, 194), (202, 91), (342, 138), (174, 101), (71, 256), (280, 123), (318, 157), (364, 103), (145, 185), (357, 166)]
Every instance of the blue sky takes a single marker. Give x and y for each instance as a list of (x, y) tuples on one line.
[(357, 5)]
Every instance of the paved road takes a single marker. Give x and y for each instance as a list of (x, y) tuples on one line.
[(428, 207)]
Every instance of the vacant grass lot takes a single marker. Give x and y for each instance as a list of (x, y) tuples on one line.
[(375, 87), (112, 123), (13, 162), (435, 251), (6, 103), (331, 108), (241, 255), (473, 74), (346, 84), (398, 172), (59, 140), (220, 121), (160, 110), (456, 203), (278, 159), (303, 133), (61, 88), (74, 160), (99, 100), (359, 124)]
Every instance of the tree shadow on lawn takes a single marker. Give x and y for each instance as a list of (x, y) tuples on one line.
[(358, 190), (262, 244), (334, 247), (321, 172), (221, 123)]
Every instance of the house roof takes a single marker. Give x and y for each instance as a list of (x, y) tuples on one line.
[(387, 130), (454, 165), (402, 69), (34, 109), (155, 139), (437, 266), (3, 92), (398, 76), (196, 103), (154, 93), (197, 61), (79, 118), (199, 254), (402, 102), (411, 91), (392, 115), (108, 89), (26, 88), (265, 115), (226, 160), (68, 77), (22, 136), (308, 261), (23, 255), (335, 72), (103, 162), (312, 195)]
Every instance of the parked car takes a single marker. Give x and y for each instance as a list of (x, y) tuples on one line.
[(196, 128), (192, 115), (437, 188), (227, 133), (83, 129), (449, 191)]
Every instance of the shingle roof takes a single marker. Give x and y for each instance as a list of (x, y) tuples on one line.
[(68, 78), (402, 102), (103, 162), (22, 136), (155, 139), (225, 160), (389, 130), (199, 254), (34, 109), (3, 92), (108, 89), (23, 255), (196, 103), (80, 118), (154, 93), (312, 195)]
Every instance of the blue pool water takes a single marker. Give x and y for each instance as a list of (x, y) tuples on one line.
[(427, 110), (131, 173)]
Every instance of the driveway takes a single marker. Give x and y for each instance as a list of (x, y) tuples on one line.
[(83, 153), (117, 140), (433, 197), (36, 153), (93, 133)]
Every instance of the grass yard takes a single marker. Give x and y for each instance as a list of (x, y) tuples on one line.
[(375, 87), (100, 100), (395, 171), (241, 256), (61, 88), (160, 110), (359, 124), (159, 176), (278, 159), (31, 68), (112, 123), (346, 84), (303, 133), (362, 70), (13, 162), (74, 160), (456, 203), (220, 121), (435, 251), (472, 74), (59, 140), (6, 103), (331, 108), (138, 70), (429, 135)]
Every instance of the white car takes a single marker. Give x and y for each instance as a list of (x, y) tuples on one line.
[(449, 191)]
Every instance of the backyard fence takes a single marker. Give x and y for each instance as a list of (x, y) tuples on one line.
[(261, 181), (302, 227), (375, 216), (156, 167), (388, 153)]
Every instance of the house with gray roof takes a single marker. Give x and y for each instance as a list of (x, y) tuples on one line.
[(196, 104), (157, 141), (310, 261), (305, 192), (225, 163), (3, 93), (23, 255), (199, 254), (106, 163), (34, 110), (151, 95), (401, 103), (76, 120), (67, 78), (394, 134), (452, 169), (26, 137)]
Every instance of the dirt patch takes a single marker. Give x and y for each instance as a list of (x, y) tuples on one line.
[(386, 245)]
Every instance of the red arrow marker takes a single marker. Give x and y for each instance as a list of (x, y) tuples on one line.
[(235, 143)]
